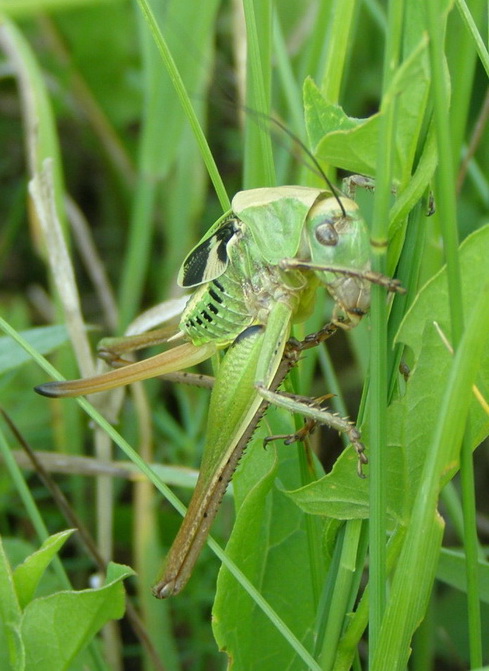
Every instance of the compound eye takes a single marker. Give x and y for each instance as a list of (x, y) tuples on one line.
[(327, 235)]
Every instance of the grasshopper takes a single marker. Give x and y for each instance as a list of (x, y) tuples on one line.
[(254, 274)]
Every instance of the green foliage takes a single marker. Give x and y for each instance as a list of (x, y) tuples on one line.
[(410, 429), (45, 340), (352, 144), (95, 92), (49, 632)]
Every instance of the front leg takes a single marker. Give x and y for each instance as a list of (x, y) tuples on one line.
[(354, 182), (368, 275)]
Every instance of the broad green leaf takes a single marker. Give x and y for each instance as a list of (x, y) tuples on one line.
[(345, 142), (55, 628), (342, 495), (44, 339), (28, 574), (433, 361), (11, 647), (269, 543), (351, 144), (473, 251)]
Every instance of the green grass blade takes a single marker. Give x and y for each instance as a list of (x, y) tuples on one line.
[(421, 546), (186, 104)]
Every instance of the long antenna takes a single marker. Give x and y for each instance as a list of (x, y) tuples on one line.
[(305, 149)]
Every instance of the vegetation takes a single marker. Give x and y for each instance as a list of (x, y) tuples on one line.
[(109, 110)]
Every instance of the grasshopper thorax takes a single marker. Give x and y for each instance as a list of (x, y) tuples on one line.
[(338, 241)]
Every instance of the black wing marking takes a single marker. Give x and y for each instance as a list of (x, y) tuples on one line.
[(209, 259)]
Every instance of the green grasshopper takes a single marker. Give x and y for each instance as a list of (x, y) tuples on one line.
[(254, 274)]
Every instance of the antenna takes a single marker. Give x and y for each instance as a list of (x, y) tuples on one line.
[(305, 149), (311, 156), (260, 117)]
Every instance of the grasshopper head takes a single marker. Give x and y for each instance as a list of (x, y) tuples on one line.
[(338, 242)]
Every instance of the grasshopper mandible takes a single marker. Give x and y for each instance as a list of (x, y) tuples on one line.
[(254, 274)]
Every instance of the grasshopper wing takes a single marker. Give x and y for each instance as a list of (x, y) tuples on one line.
[(253, 358), (210, 258)]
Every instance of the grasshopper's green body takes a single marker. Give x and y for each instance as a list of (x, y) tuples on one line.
[(254, 274), (242, 267), (242, 295)]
